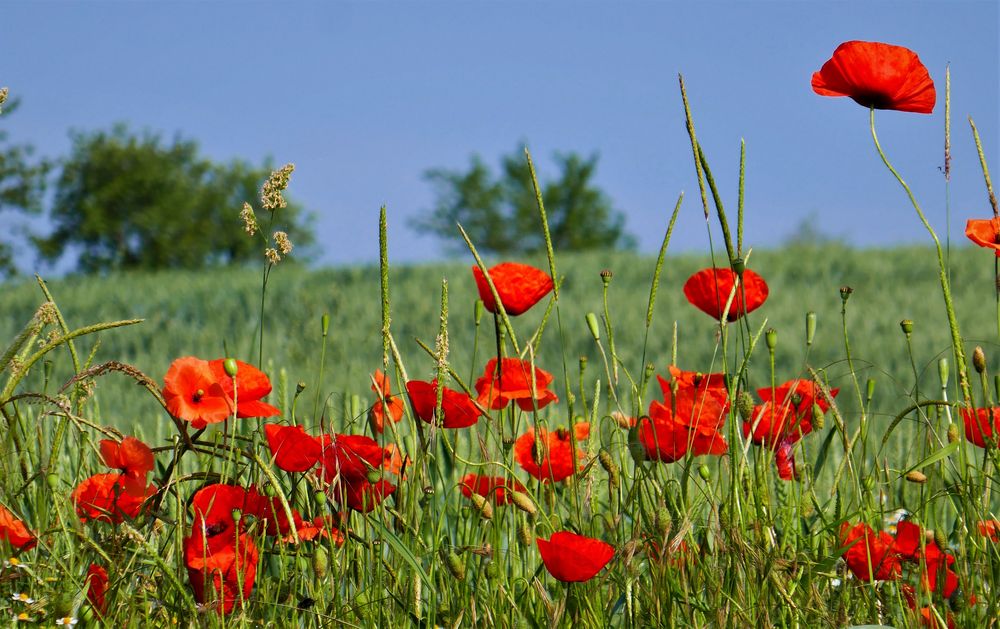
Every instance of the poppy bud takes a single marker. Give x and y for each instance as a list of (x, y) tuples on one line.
[(907, 326), (870, 388), (868, 483), (810, 327), (454, 564), (609, 465), (374, 475), (635, 447), (583, 364), (302, 563), (320, 497), (478, 311), (817, 417), (491, 570), (704, 472), (300, 386), (52, 480), (916, 476), (744, 404), (525, 536), (845, 293), (606, 276), (979, 359), (592, 324), (943, 372), (523, 502), (321, 561), (953, 433), (771, 338), (324, 324), (483, 506), (230, 367)]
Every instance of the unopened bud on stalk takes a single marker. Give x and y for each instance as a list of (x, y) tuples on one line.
[(845, 293), (810, 327), (482, 506), (606, 276), (592, 324), (953, 433), (299, 387), (609, 466), (943, 372), (916, 476), (454, 564), (583, 364), (230, 366), (478, 311), (979, 359), (321, 561), (906, 326), (744, 405), (523, 502), (870, 388), (525, 536), (771, 337), (324, 324), (374, 475), (704, 472), (818, 418)]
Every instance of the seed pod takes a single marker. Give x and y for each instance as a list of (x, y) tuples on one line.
[(845, 293), (299, 388), (916, 476), (482, 506), (606, 276), (979, 359), (525, 536), (523, 502), (739, 265), (907, 327), (230, 366), (321, 561), (454, 564), (818, 419), (609, 466), (771, 338), (744, 404)]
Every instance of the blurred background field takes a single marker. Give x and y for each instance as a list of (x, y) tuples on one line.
[(200, 313)]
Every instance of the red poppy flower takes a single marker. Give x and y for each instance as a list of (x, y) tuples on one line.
[(351, 456), (877, 75), (393, 461), (909, 548), (573, 558), (252, 384), (293, 449), (982, 428), (104, 497), (494, 488), (133, 458), (97, 588), (386, 403), (667, 440), (928, 619), (990, 529), (361, 494), (556, 461), (14, 531), (869, 553), (320, 527), (226, 563), (513, 382), (695, 400), (519, 286), (191, 392), (708, 290), (985, 233), (458, 408)]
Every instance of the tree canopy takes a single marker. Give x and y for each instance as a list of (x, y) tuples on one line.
[(22, 182), (500, 213), (128, 201)]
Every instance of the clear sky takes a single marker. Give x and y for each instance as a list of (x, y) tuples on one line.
[(364, 97)]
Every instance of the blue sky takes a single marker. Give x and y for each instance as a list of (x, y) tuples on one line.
[(364, 97)]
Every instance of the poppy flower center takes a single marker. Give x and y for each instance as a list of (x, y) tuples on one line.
[(200, 393), (878, 100)]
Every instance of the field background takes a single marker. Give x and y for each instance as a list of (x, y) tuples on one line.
[(197, 313)]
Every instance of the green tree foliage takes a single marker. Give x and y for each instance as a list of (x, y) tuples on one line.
[(128, 201), (22, 182), (501, 216)]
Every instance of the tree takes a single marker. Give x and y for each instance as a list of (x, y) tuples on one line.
[(22, 183), (501, 214), (126, 201)]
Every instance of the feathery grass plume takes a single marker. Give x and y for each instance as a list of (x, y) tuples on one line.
[(270, 193), (272, 255), (281, 241), (249, 219)]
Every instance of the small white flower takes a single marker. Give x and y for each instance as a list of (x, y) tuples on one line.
[(67, 621), (22, 617), (13, 562), (21, 597)]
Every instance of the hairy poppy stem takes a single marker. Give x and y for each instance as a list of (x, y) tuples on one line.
[(956, 337)]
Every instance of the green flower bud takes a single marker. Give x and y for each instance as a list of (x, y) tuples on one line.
[(771, 338), (482, 506), (810, 327), (454, 564), (324, 323), (744, 405), (907, 326), (592, 324), (818, 418), (321, 561), (979, 359), (704, 472), (943, 372), (525, 535), (230, 366), (609, 466), (523, 502), (916, 476), (478, 311)]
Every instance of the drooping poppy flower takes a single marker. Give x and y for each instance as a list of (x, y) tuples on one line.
[(512, 382), (519, 286), (293, 449), (458, 408), (133, 457), (97, 588), (14, 530), (869, 554), (572, 558), (556, 460), (385, 404), (914, 546), (224, 562), (877, 75), (495, 488), (103, 497), (675, 551), (252, 385), (985, 233), (192, 392), (708, 290), (982, 425), (990, 529)]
